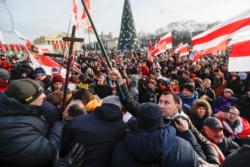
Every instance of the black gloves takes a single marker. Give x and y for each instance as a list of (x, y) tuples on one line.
[(73, 159)]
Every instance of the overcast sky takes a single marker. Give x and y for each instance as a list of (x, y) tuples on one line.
[(34, 18)]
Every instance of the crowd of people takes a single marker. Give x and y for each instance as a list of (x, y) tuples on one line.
[(169, 112)]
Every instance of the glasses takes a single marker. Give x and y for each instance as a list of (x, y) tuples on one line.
[(233, 114)]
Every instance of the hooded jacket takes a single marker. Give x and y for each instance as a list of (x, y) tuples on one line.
[(25, 140), (99, 132), (155, 147)]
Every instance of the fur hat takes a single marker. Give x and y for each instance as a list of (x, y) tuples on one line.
[(112, 99), (24, 90), (39, 71), (189, 87), (4, 74), (57, 78), (149, 115), (228, 90)]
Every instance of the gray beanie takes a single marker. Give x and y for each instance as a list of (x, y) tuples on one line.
[(4, 74), (112, 99)]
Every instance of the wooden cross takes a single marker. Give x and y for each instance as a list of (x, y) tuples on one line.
[(72, 39)]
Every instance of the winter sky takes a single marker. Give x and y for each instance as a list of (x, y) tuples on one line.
[(34, 18)]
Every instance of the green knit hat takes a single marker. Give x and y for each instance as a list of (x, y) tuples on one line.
[(24, 90)]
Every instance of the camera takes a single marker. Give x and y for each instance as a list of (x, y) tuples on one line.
[(120, 68)]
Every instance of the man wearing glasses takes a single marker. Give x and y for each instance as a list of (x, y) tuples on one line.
[(236, 127)]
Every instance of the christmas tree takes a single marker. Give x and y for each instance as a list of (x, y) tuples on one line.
[(128, 38)]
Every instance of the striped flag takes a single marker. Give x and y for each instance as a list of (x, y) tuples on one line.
[(163, 44), (239, 58), (222, 32), (85, 23), (74, 13)]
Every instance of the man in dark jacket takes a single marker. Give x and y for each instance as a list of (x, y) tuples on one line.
[(25, 140), (98, 131), (154, 144), (170, 104), (213, 130)]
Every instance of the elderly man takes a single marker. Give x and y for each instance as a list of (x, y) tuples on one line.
[(236, 127), (213, 130)]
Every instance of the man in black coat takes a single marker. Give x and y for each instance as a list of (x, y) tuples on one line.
[(154, 144), (98, 131), (25, 140)]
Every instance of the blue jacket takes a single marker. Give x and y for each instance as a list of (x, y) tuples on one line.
[(99, 132), (155, 147)]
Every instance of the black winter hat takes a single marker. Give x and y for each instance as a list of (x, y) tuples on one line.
[(189, 87), (24, 90), (39, 71), (149, 115)]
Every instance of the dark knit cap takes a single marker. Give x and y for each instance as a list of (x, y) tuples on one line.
[(24, 90), (4, 74), (189, 87), (149, 115), (57, 78), (39, 71)]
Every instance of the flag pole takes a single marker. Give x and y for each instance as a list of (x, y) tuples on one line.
[(101, 44)]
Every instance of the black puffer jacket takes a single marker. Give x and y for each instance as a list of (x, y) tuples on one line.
[(25, 140)]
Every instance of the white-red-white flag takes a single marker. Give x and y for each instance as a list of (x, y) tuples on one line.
[(184, 50), (222, 32), (165, 42), (239, 58), (85, 23), (74, 13)]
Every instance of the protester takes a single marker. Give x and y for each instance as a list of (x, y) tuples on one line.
[(239, 158), (73, 109), (187, 95), (26, 140), (170, 104), (200, 110), (236, 127), (89, 100), (4, 79), (243, 104), (222, 102), (235, 84), (101, 89), (213, 130), (40, 74), (208, 93), (57, 83), (154, 144), (98, 131)]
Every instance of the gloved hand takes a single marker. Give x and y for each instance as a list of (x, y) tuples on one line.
[(73, 159)]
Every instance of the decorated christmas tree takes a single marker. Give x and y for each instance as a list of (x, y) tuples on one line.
[(128, 38)]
